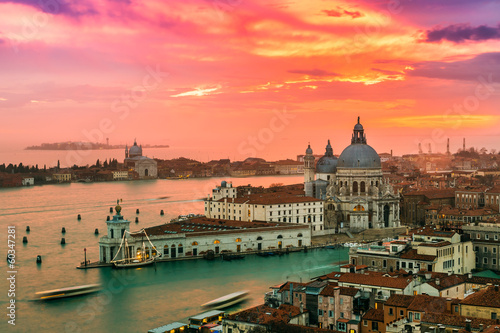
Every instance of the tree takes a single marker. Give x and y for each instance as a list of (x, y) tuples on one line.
[(105, 164), (58, 164), (97, 164)]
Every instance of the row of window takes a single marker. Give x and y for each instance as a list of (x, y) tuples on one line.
[(485, 249), (290, 211), (486, 236), (485, 261)]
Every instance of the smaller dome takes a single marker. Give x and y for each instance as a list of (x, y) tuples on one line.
[(135, 150), (326, 164), (358, 127), (309, 150)]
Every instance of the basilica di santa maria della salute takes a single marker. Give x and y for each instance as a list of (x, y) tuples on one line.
[(352, 186)]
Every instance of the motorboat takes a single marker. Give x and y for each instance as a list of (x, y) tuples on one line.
[(227, 300), (67, 292)]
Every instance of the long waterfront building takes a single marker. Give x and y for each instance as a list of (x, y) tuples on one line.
[(198, 235)]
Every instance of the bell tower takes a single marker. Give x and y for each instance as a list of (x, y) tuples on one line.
[(109, 244), (309, 165)]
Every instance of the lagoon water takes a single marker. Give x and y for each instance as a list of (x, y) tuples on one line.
[(131, 300)]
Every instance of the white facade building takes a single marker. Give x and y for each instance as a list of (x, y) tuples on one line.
[(352, 185), (144, 166), (271, 207), (196, 236)]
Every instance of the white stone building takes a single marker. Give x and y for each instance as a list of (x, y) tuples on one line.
[(352, 185), (271, 207), (144, 166), (27, 181), (198, 235)]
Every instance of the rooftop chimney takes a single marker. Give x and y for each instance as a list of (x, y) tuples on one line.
[(481, 327), (438, 281), (467, 325)]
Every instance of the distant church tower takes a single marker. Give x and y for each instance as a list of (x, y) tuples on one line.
[(309, 165)]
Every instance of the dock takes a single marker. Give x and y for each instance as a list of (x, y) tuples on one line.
[(93, 265)]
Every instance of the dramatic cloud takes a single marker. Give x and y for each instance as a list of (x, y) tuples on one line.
[(484, 65), (339, 12), (459, 33), (57, 7), (313, 72), (232, 63)]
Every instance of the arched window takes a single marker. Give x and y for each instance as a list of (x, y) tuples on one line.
[(362, 187), (259, 238), (165, 250), (180, 249), (279, 237), (299, 235), (194, 243), (153, 252), (355, 187), (238, 240), (216, 241), (359, 208)]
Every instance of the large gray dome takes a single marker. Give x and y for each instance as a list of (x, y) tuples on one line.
[(359, 155)]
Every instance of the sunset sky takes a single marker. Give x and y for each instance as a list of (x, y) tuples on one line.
[(239, 78)]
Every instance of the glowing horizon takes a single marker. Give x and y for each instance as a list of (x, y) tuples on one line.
[(250, 78)]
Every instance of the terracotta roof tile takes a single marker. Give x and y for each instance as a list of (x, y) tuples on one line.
[(426, 303), (265, 315), (374, 279), (374, 315), (454, 320), (413, 255), (487, 297), (399, 300)]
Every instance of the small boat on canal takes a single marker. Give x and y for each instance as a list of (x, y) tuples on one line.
[(227, 300), (67, 292)]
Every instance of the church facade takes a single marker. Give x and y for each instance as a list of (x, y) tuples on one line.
[(352, 186), (145, 167)]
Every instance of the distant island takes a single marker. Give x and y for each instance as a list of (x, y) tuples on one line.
[(69, 145)]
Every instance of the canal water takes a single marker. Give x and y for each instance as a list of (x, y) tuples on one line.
[(131, 300)]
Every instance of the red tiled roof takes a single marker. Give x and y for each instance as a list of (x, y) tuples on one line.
[(413, 255), (265, 315), (271, 198), (199, 226), (287, 285), (399, 300), (433, 194), (454, 320), (439, 244), (448, 281), (487, 297), (426, 303), (374, 315), (372, 279), (429, 231)]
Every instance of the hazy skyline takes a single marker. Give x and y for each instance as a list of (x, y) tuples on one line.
[(245, 78)]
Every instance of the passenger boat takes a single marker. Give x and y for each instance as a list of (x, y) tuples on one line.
[(67, 292), (228, 300)]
